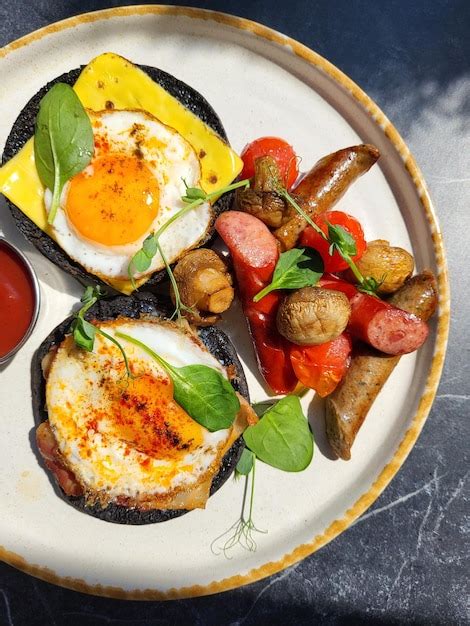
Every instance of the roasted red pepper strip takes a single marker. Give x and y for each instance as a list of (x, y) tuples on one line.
[(254, 254), (323, 366), (378, 323)]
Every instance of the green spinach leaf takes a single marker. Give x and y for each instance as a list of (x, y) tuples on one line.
[(63, 140), (295, 269), (201, 391), (282, 437)]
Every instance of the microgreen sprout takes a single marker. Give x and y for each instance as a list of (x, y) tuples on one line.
[(84, 332), (241, 532), (340, 240), (142, 259)]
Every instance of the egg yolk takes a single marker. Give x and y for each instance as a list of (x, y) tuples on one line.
[(148, 419), (114, 201)]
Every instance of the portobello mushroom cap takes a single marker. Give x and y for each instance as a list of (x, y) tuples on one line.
[(137, 306), (23, 129)]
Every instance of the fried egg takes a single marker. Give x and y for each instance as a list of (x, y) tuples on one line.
[(127, 440), (133, 185)]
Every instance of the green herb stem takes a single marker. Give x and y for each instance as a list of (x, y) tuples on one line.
[(118, 345), (56, 193), (241, 532), (264, 292), (354, 269), (286, 195), (176, 216), (179, 306), (252, 494), (164, 364), (87, 306), (84, 332), (196, 203), (136, 261), (339, 243)]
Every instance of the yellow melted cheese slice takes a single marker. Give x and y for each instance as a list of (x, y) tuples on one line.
[(109, 78)]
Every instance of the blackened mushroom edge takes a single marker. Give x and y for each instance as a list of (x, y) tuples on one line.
[(23, 129), (135, 307)]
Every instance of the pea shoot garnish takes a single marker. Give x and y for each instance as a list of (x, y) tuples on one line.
[(202, 391), (194, 197), (241, 532), (282, 439), (84, 332), (179, 306), (340, 240)]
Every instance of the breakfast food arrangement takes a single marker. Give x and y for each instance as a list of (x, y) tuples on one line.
[(123, 177)]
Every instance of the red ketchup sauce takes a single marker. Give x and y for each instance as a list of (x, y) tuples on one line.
[(17, 299)]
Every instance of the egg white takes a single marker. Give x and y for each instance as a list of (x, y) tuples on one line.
[(103, 463), (175, 161)]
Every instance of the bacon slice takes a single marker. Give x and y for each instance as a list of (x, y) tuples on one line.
[(47, 445)]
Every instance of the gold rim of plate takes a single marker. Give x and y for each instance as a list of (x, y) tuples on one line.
[(443, 319)]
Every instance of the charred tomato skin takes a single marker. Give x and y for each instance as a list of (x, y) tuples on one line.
[(335, 262)]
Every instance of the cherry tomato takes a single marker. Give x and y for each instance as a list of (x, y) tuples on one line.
[(279, 150), (334, 263), (322, 367)]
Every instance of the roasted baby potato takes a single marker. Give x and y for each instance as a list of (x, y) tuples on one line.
[(389, 266)]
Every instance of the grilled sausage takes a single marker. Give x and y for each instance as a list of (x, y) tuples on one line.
[(348, 405), (248, 238), (385, 327), (324, 185)]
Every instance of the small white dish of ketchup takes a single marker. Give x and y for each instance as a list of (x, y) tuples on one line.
[(19, 299)]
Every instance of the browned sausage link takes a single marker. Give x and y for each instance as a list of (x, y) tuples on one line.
[(324, 185), (348, 405), (418, 295)]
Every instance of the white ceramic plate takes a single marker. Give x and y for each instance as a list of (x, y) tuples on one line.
[(260, 83)]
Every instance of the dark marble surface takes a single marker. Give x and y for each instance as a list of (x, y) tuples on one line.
[(404, 561)]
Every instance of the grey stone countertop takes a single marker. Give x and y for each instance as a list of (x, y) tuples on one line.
[(406, 559)]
